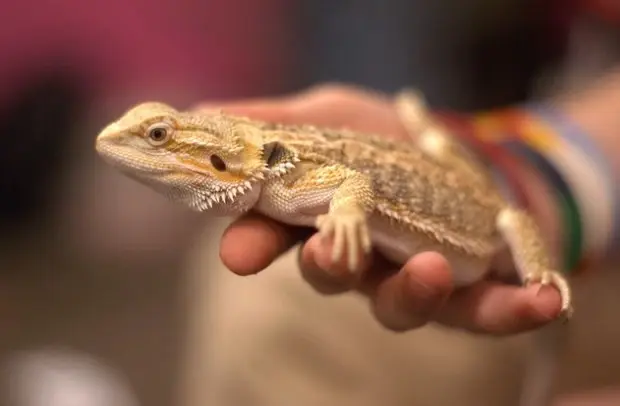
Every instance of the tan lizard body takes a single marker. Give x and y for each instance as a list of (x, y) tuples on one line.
[(363, 190)]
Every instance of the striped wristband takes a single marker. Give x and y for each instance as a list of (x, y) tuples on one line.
[(593, 160), (586, 202), (502, 164), (493, 138)]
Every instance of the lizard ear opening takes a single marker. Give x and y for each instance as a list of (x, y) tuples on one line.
[(275, 154)]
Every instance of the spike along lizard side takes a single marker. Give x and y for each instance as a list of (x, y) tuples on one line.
[(360, 190)]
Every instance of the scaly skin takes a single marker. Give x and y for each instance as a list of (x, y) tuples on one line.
[(361, 190)]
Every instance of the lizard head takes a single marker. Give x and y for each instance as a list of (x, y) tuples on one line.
[(207, 161)]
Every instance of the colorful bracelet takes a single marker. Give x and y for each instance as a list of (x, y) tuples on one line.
[(595, 202), (595, 161), (569, 171), (502, 151), (502, 164)]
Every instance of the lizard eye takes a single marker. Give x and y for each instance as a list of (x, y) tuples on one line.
[(158, 135), (218, 163)]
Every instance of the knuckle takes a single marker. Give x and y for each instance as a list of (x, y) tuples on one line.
[(335, 92)]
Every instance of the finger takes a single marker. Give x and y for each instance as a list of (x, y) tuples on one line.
[(329, 105), (409, 298), (274, 110), (320, 280), (324, 275), (268, 239), (286, 109), (337, 106), (496, 308)]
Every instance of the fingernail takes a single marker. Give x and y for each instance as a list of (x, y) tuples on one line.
[(418, 287)]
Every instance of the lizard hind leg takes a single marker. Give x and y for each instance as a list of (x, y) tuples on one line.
[(531, 257), (433, 140)]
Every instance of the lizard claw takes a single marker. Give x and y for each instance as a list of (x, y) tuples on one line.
[(556, 279), (349, 231)]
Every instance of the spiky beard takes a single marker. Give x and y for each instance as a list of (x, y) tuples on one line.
[(237, 198), (208, 198)]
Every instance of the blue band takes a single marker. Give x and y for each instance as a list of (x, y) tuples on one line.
[(571, 132)]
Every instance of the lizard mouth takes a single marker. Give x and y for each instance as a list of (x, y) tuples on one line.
[(223, 196), (129, 160)]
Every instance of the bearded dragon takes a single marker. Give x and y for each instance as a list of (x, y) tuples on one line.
[(362, 191)]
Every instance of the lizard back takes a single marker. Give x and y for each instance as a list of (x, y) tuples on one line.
[(412, 190)]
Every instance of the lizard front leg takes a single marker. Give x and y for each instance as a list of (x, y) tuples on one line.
[(347, 218), (351, 200), (530, 254)]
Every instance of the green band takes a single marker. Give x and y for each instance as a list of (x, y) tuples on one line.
[(573, 232)]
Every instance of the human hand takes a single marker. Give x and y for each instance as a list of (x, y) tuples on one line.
[(402, 299)]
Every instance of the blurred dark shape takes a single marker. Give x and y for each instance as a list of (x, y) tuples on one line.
[(508, 56), (462, 55), (364, 42), (36, 128)]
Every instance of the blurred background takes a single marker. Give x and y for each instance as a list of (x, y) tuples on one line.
[(110, 295)]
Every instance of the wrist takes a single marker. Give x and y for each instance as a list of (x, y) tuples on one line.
[(571, 165), (593, 112)]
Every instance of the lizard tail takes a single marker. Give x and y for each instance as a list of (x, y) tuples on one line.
[(533, 262), (542, 365)]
